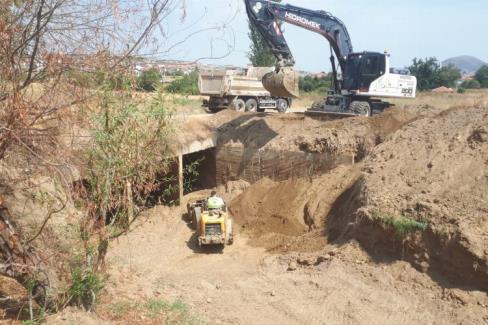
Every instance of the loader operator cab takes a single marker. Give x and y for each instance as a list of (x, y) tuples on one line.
[(215, 203), (362, 69)]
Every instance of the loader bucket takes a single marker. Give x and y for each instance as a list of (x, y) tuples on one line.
[(283, 83)]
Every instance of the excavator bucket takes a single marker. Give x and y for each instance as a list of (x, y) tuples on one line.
[(283, 83)]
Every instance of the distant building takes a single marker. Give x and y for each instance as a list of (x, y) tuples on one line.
[(320, 75)]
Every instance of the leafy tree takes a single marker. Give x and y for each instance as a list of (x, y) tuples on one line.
[(186, 85), (430, 75), (426, 71), (482, 76), (448, 75), (309, 84), (149, 80), (471, 84), (260, 54)]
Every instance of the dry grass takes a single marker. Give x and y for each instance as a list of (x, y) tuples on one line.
[(306, 100), (150, 311), (472, 98)]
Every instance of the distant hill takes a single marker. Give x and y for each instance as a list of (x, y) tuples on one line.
[(465, 63)]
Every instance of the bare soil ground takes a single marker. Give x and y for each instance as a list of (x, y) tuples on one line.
[(347, 260), (399, 237), (244, 284)]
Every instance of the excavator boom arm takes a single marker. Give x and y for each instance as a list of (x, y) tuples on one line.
[(265, 16)]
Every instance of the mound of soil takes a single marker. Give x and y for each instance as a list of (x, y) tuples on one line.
[(435, 171), (422, 194), (293, 132), (290, 215)]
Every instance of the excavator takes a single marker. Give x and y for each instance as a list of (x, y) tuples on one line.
[(364, 77)]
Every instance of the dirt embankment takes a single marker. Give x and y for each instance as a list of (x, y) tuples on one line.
[(420, 195), (282, 147), (294, 132), (434, 172), (289, 215)]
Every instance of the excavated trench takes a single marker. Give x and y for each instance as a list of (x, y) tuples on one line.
[(310, 188), (252, 147)]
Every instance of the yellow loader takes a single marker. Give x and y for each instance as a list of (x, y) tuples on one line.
[(213, 226)]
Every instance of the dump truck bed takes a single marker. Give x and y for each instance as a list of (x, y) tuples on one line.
[(228, 83)]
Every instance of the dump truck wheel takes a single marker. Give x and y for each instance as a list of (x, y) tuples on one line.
[(282, 105), (238, 105), (251, 105), (360, 108)]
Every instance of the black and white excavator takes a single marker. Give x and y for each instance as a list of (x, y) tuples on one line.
[(364, 77)]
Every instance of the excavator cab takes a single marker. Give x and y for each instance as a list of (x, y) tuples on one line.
[(362, 69)]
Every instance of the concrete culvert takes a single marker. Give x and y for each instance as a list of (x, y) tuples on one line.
[(199, 170)]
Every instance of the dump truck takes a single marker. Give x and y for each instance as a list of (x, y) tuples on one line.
[(213, 226), (239, 91)]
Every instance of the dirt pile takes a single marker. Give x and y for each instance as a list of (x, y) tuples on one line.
[(289, 215), (232, 189), (422, 193), (293, 132), (430, 177)]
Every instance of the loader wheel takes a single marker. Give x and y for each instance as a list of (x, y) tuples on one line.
[(360, 108), (251, 105), (229, 233), (238, 105), (196, 217), (282, 105)]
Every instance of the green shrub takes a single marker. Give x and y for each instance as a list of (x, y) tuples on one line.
[(186, 85), (149, 80), (482, 76), (310, 84), (461, 90), (471, 84), (402, 225), (98, 79), (130, 150), (85, 286), (431, 75), (190, 175), (81, 78), (111, 82)]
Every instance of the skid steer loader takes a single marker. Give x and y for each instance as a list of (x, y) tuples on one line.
[(213, 226)]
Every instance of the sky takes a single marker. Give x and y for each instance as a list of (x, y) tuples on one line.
[(217, 29)]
